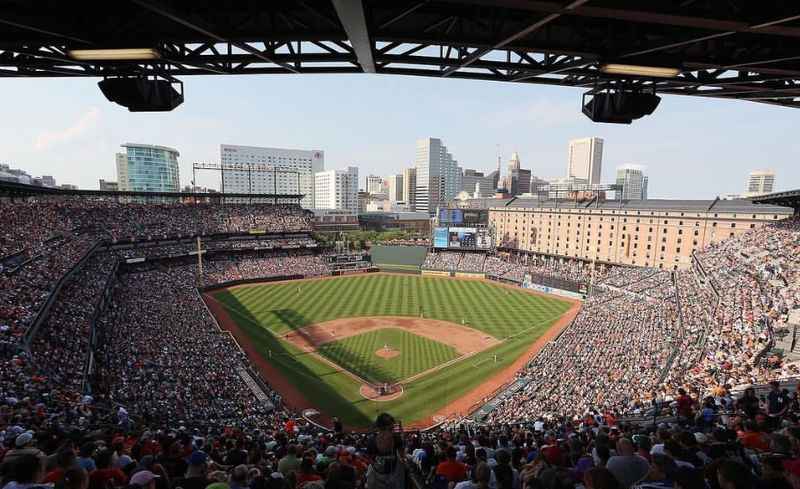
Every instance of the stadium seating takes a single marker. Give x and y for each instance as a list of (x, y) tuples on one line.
[(169, 385)]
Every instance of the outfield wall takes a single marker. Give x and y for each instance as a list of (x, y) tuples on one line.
[(552, 290), (398, 258)]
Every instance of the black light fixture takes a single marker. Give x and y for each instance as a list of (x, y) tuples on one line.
[(619, 104), (140, 94)]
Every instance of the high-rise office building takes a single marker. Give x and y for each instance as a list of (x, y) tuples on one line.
[(374, 184), (514, 163), (122, 171), (633, 182), (438, 175), (395, 187), (337, 189), (410, 188), (760, 182), (148, 168), (518, 180), (294, 175), (585, 159)]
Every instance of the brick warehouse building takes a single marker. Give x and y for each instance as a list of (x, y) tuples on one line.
[(655, 233)]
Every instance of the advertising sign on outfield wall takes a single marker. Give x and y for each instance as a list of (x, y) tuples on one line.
[(436, 273), (553, 290)]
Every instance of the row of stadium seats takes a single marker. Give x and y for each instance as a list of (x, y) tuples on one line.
[(640, 337), (643, 334), (513, 267)]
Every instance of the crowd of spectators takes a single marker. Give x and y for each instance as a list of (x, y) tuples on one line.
[(170, 407), (644, 333), (61, 345), (700, 449), (40, 241), (160, 250), (277, 264), (515, 267), (172, 362)]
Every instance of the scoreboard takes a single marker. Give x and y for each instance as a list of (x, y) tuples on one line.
[(457, 237)]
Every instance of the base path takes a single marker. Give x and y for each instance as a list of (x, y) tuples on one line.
[(294, 398), (471, 400), (289, 391), (464, 339)]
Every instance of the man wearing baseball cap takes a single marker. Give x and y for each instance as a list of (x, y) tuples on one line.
[(24, 444), (196, 473), (144, 479)]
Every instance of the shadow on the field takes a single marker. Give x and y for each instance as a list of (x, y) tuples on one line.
[(320, 394), (291, 318)]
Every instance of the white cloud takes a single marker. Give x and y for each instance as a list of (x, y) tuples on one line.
[(85, 122)]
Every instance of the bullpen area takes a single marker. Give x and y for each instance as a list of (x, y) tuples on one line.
[(422, 348)]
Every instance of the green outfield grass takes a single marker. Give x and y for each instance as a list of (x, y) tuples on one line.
[(266, 310), (417, 354)]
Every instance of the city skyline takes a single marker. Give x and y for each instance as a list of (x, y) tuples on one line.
[(72, 134)]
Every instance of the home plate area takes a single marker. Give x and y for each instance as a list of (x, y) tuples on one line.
[(383, 353)]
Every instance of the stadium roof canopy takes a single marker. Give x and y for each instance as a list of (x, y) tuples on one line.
[(790, 198), (14, 189), (743, 206), (731, 49)]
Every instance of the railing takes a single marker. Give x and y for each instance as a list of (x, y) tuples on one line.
[(253, 373), (671, 359), (99, 309), (770, 341), (44, 311)]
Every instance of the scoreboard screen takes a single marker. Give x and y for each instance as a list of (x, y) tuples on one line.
[(462, 238), (451, 216), (440, 238)]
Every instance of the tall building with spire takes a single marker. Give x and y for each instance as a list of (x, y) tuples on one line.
[(518, 180)]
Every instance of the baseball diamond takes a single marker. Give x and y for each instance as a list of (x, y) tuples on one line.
[(450, 339)]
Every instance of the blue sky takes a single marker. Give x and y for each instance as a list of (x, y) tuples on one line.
[(692, 148)]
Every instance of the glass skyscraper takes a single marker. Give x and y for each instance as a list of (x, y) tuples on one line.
[(148, 168)]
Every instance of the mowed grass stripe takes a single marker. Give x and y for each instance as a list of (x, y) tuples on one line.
[(514, 315), (358, 354)]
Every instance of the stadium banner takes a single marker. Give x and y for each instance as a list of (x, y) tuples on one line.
[(470, 275), (437, 273), (553, 290), (440, 238)]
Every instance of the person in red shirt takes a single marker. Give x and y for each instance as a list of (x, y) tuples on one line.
[(685, 405), (105, 476), (289, 427), (65, 459), (451, 469), (306, 473), (752, 438)]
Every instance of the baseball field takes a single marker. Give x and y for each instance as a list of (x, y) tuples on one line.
[(418, 347)]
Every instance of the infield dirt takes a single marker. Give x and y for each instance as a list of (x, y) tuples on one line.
[(292, 393)]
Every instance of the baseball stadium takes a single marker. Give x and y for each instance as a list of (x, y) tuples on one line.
[(549, 338)]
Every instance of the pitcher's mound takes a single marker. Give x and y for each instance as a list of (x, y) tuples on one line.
[(387, 353)]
